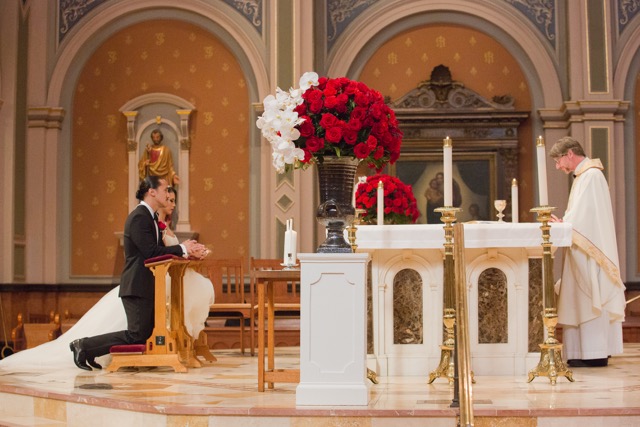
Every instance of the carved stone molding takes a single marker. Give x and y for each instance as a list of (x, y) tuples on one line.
[(45, 117), (441, 107)]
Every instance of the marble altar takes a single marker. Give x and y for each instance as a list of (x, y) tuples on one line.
[(504, 282)]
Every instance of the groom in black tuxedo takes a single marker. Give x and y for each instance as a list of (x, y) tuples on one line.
[(137, 284)]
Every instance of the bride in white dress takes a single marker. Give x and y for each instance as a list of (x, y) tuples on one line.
[(108, 315)]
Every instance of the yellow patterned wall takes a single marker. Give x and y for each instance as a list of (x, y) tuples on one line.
[(171, 57), (475, 59)]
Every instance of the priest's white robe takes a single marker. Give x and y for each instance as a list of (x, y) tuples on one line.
[(591, 298)]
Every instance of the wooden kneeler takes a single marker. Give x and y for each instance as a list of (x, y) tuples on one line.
[(169, 344)]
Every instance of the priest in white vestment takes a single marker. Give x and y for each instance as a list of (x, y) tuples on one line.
[(591, 298)]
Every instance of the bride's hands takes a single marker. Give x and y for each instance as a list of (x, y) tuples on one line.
[(195, 249)]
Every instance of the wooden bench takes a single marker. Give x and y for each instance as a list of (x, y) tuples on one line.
[(37, 330)]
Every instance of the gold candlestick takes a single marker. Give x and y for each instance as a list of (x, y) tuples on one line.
[(351, 230), (371, 374), (551, 364), (446, 368)]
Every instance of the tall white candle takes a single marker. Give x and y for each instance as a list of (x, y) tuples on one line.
[(380, 196), (447, 150), (542, 172), (514, 201), (290, 244)]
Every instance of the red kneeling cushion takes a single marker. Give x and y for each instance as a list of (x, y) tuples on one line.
[(128, 349)]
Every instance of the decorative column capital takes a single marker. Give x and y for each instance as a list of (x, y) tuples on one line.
[(132, 144)]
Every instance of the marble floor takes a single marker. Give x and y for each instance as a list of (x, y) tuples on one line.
[(225, 394)]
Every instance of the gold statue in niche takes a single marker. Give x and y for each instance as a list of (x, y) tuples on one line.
[(157, 160)]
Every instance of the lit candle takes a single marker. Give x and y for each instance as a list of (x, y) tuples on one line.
[(290, 244), (448, 166), (380, 196), (514, 200), (542, 172)]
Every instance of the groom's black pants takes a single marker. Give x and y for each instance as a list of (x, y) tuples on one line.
[(140, 322)]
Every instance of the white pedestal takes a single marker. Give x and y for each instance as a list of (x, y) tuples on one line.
[(333, 342)]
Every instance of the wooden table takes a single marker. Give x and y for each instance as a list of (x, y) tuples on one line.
[(265, 281)]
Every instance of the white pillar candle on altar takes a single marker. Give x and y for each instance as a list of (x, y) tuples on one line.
[(380, 196), (514, 201), (447, 150), (290, 244), (542, 172)]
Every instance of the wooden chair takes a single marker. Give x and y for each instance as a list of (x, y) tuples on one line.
[(231, 302), (286, 294)]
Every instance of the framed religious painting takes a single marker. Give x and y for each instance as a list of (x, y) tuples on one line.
[(474, 184)]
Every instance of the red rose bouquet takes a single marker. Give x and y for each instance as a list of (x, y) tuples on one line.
[(329, 117), (400, 205)]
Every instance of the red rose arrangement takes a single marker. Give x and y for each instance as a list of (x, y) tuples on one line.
[(400, 205), (161, 226), (329, 117)]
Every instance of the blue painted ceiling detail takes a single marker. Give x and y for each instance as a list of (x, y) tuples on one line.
[(251, 10), (70, 12), (340, 13), (627, 10), (542, 14)]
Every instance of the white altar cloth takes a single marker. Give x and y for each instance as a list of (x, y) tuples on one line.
[(505, 246), (476, 235)]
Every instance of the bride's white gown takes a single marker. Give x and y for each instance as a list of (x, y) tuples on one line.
[(108, 316)]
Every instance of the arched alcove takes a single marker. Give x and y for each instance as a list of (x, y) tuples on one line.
[(170, 114), (408, 322)]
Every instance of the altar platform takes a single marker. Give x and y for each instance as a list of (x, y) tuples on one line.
[(226, 394)]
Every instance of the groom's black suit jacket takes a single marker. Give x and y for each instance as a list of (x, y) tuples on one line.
[(141, 243), (137, 284)]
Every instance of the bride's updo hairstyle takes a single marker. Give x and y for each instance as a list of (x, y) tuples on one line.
[(146, 184)]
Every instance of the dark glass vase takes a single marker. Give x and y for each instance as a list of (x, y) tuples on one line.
[(336, 176)]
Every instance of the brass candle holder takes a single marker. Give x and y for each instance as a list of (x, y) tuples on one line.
[(551, 364), (351, 233), (446, 368), (351, 230)]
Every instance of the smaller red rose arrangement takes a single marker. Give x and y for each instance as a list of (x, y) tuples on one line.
[(400, 205), (161, 226)]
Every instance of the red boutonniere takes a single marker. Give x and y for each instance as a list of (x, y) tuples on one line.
[(161, 226)]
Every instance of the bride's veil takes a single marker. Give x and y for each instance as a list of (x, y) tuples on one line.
[(106, 316)]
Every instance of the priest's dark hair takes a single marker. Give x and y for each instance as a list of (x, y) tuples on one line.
[(146, 184)]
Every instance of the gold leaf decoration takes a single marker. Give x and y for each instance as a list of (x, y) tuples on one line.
[(208, 184)]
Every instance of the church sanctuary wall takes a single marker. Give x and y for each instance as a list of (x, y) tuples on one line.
[(493, 47), (170, 57), (475, 59)]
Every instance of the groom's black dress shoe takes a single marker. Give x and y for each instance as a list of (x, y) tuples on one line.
[(92, 362), (79, 355)]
